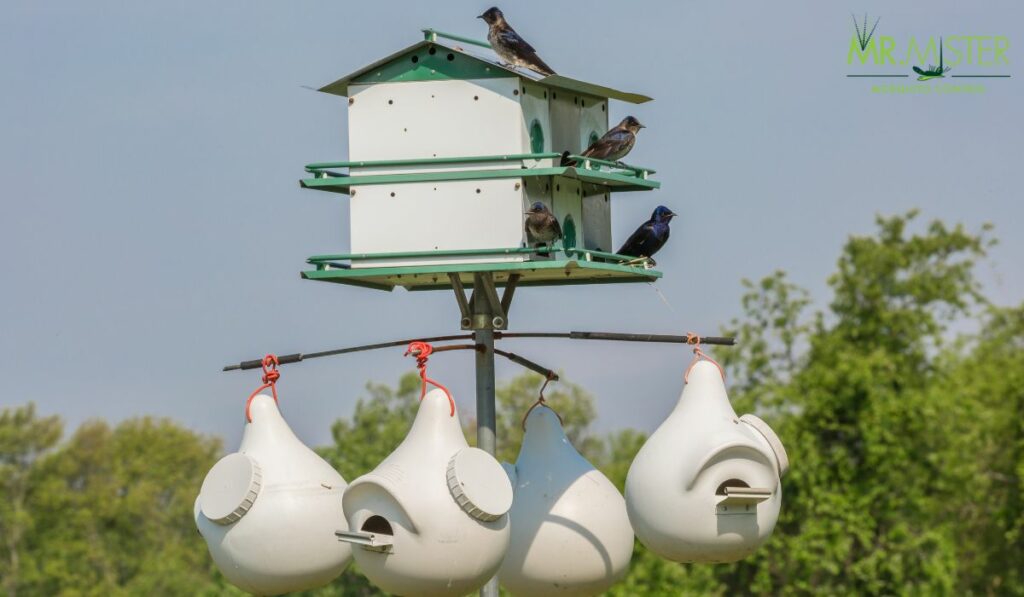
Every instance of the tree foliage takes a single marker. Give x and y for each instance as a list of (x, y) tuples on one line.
[(106, 513), (906, 442)]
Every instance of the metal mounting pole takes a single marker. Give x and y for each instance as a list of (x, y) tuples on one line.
[(485, 418), (483, 334)]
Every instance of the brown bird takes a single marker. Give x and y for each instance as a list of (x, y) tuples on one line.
[(542, 226), (614, 145), (509, 46)]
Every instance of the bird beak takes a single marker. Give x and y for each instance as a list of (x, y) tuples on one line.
[(479, 16), (643, 126)]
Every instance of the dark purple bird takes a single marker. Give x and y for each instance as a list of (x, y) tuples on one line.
[(614, 145), (509, 46), (650, 236)]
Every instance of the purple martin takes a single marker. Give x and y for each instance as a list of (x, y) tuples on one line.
[(650, 236), (614, 145), (542, 225), (509, 46)]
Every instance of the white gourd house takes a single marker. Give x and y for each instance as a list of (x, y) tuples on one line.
[(447, 150)]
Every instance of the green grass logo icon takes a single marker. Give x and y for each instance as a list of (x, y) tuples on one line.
[(933, 72), (863, 35)]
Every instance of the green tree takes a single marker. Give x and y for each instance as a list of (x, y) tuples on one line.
[(979, 404), (24, 438), (113, 513), (854, 413)]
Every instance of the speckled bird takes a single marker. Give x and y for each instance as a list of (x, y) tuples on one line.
[(509, 46), (616, 143), (542, 225), (650, 237)]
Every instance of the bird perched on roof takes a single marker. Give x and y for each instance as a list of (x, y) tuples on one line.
[(542, 225), (509, 46), (614, 145), (650, 236)]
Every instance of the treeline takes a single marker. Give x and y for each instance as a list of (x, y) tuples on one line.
[(906, 442)]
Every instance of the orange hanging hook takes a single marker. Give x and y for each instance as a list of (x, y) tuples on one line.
[(270, 377), (699, 355), (422, 351)]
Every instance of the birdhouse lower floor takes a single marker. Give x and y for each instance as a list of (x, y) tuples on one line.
[(428, 221), (417, 223)]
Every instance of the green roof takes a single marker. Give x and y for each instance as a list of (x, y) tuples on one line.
[(451, 61)]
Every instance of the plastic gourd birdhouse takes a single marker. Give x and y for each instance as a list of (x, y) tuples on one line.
[(269, 512), (439, 134), (570, 531), (432, 518), (706, 487)]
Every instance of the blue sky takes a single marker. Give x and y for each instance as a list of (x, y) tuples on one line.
[(154, 227)]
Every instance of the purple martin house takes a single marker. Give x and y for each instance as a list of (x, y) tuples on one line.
[(447, 150)]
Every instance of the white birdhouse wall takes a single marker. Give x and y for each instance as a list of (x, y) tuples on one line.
[(437, 216), (427, 119), (565, 123), (597, 220), (576, 120)]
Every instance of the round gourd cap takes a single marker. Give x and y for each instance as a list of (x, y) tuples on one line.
[(773, 441), (479, 485), (230, 488)]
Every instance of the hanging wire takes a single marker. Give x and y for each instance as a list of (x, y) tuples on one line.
[(542, 402), (663, 298)]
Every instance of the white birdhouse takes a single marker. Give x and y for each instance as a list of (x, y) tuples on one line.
[(269, 512), (570, 531), (706, 487), (432, 518), (448, 149)]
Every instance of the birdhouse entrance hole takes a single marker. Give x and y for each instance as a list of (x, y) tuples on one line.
[(536, 137), (569, 233), (730, 483), (377, 524)]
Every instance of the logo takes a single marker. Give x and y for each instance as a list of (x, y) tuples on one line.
[(872, 54), (933, 72), (863, 37)]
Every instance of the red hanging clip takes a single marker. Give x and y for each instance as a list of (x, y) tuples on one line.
[(422, 351), (270, 377), (699, 355)]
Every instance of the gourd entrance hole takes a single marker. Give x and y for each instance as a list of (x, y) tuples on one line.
[(730, 483), (378, 525)]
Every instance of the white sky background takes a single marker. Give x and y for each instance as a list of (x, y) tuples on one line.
[(154, 228)]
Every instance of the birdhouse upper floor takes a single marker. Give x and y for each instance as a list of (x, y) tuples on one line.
[(433, 100), (469, 117)]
